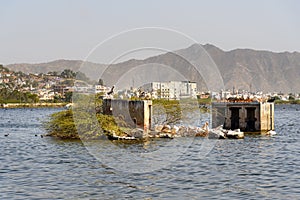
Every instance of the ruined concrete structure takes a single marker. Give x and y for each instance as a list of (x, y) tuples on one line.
[(136, 114), (247, 116)]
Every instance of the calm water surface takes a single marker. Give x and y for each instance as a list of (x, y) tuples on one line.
[(258, 167)]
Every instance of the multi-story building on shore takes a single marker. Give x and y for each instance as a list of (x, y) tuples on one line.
[(172, 89)]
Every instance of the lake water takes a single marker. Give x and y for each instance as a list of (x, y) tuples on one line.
[(257, 167)]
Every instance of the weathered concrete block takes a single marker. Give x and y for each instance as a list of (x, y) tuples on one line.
[(247, 116), (136, 114)]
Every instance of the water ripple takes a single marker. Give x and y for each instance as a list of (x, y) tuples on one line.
[(258, 167)]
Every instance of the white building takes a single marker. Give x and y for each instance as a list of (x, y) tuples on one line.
[(172, 89), (102, 89), (46, 95)]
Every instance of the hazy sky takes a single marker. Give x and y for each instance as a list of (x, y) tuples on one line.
[(40, 31)]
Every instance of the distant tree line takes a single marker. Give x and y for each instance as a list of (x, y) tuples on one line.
[(3, 69), (15, 96)]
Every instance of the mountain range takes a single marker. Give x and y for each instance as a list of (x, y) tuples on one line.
[(208, 65)]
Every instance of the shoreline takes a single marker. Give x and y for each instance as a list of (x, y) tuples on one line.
[(60, 105), (32, 105)]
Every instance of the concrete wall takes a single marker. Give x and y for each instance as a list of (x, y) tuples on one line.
[(136, 114), (267, 116), (218, 114), (248, 116)]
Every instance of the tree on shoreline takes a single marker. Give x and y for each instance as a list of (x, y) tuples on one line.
[(16, 96)]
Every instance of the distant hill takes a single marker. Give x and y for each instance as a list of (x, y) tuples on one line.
[(59, 66), (262, 70), (240, 68)]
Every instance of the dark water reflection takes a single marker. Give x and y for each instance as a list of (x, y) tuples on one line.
[(258, 167)]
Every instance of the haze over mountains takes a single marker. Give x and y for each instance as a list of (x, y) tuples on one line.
[(240, 68)]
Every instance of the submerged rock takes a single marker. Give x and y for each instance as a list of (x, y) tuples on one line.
[(166, 129), (153, 133), (166, 135), (235, 134), (221, 133), (113, 136), (158, 128), (271, 132), (137, 133), (182, 131), (216, 134), (174, 130)]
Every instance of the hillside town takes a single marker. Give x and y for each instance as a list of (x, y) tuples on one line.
[(59, 86)]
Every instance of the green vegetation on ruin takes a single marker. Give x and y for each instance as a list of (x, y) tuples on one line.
[(61, 125), (85, 120)]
